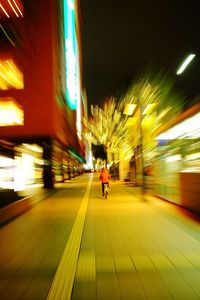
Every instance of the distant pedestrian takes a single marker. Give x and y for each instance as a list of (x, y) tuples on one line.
[(104, 177)]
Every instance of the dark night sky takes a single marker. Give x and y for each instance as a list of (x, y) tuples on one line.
[(120, 39)]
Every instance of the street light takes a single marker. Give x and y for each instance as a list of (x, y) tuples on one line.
[(185, 64), (129, 109)]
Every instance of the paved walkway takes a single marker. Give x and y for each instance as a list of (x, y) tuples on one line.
[(128, 248)]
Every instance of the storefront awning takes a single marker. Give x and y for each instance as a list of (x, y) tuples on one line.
[(75, 154)]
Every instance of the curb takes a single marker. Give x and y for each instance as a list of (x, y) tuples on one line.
[(15, 209)]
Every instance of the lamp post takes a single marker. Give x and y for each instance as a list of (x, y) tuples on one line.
[(129, 110), (141, 145)]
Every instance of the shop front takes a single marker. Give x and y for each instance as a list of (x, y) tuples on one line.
[(177, 166), (67, 162), (7, 165)]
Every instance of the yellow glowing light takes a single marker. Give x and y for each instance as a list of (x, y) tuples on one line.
[(4, 77), (10, 113), (149, 108), (33, 147), (185, 64), (131, 121), (3, 86), (148, 121), (10, 75), (5, 12), (129, 109)]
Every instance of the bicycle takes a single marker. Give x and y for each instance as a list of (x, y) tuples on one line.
[(106, 190)]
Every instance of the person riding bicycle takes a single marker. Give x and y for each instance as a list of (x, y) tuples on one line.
[(104, 177)]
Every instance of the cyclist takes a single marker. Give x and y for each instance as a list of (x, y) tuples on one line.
[(104, 177)]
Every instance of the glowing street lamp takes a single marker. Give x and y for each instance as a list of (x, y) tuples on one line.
[(185, 64), (129, 109)]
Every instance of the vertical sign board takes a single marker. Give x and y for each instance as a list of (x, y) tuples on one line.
[(72, 65), (78, 110), (70, 53)]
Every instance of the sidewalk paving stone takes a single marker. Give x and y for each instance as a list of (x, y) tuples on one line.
[(131, 248)]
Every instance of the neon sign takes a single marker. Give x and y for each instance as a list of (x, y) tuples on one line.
[(71, 57)]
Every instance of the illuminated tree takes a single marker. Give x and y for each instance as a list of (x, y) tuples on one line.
[(107, 127), (157, 100), (126, 134)]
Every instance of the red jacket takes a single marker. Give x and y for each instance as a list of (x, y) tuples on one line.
[(104, 176)]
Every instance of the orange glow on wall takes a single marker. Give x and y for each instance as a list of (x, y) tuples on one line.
[(10, 76), (11, 114), (11, 8)]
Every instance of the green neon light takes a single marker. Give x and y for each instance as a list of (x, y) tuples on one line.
[(70, 53)]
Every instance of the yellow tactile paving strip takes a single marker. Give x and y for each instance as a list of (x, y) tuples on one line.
[(61, 287)]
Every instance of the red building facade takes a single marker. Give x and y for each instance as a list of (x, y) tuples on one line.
[(43, 126)]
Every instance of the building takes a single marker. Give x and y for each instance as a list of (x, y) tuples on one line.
[(41, 105), (177, 164)]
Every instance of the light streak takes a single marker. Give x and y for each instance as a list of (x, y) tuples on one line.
[(13, 8), (11, 75), (13, 69), (5, 12), (185, 64), (18, 8), (7, 35), (3, 76)]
